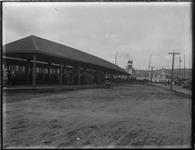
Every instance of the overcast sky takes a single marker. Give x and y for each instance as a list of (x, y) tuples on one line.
[(134, 30)]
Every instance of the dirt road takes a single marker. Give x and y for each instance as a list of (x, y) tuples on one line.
[(125, 116)]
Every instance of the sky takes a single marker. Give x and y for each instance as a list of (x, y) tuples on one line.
[(131, 30)]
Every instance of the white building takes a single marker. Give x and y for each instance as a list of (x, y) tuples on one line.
[(159, 76)]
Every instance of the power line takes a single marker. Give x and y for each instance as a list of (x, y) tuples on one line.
[(173, 58)]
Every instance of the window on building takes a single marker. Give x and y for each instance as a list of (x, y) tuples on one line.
[(46, 71), (42, 70), (37, 69), (17, 68), (24, 68), (11, 68), (21, 68)]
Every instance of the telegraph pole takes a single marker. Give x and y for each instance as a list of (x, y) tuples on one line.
[(149, 62), (179, 66), (151, 73), (145, 74), (149, 66), (173, 53)]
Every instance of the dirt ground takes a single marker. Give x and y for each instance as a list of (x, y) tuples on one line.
[(125, 116)]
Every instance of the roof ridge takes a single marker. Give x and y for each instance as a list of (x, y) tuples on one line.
[(74, 49), (38, 44), (34, 42)]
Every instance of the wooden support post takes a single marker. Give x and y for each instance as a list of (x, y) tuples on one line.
[(27, 70), (48, 70), (34, 71), (64, 75), (73, 75), (78, 74), (61, 73), (84, 75)]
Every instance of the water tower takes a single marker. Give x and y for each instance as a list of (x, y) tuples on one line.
[(130, 67)]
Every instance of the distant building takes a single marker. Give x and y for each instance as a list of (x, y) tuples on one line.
[(130, 69), (159, 76)]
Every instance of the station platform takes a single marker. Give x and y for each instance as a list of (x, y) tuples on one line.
[(48, 88), (52, 88)]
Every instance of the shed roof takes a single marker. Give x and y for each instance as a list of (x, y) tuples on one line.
[(35, 44)]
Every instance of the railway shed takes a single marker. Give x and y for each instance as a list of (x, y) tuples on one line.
[(33, 60)]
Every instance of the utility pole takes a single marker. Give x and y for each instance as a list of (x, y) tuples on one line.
[(173, 53), (145, 74), (179, 67), (149, 66), (151, 73)]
